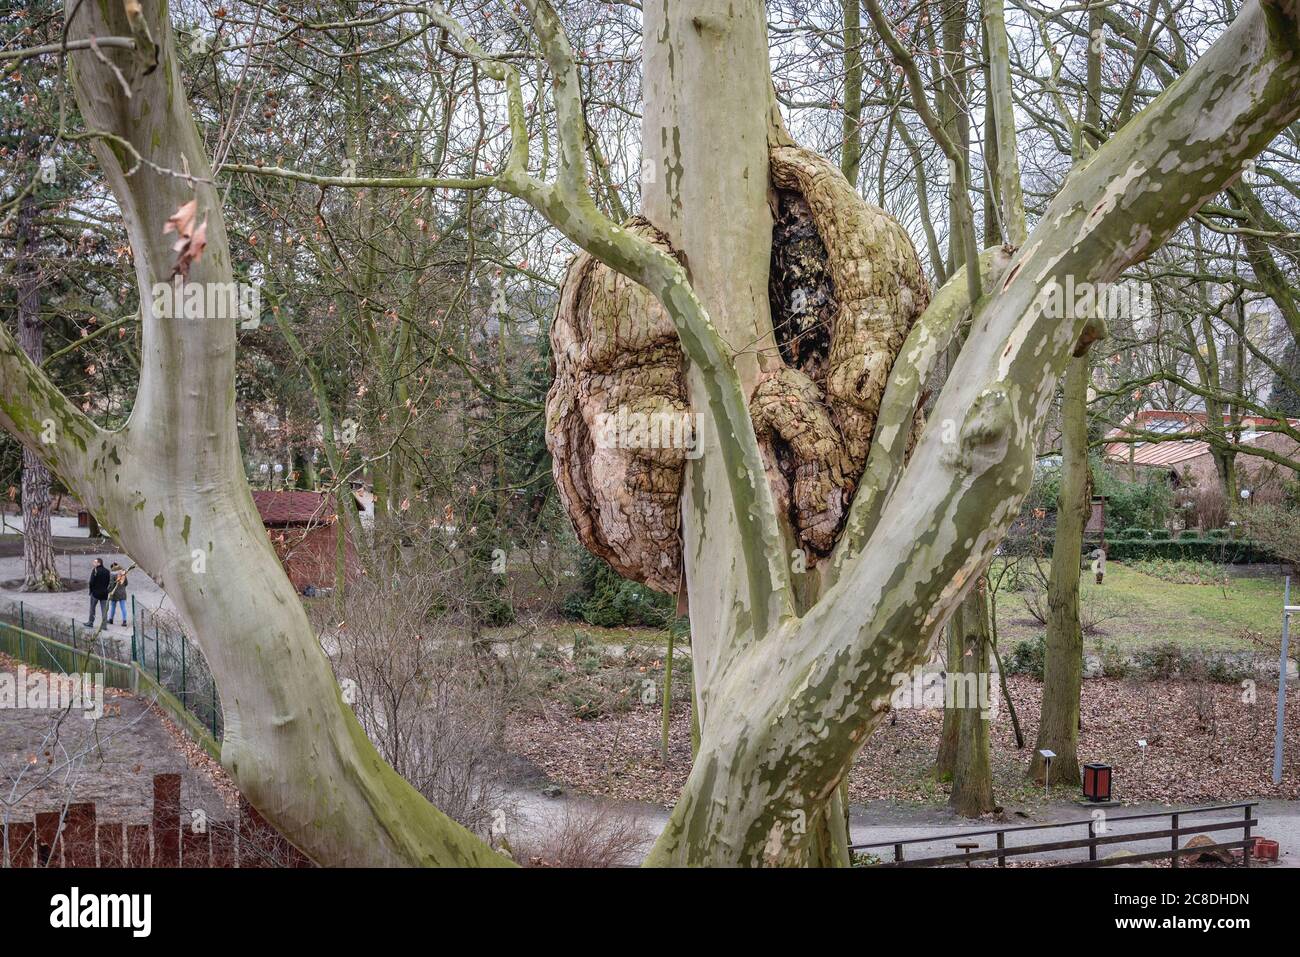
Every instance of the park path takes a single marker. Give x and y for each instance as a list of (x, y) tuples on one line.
[(535, 813), (58, 612), (1279, 820)]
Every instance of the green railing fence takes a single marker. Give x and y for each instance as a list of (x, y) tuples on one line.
[(162, 666)]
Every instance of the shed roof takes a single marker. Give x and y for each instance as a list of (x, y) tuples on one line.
[(294, 508)]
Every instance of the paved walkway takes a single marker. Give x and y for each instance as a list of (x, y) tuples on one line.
[(1279, 820), (59, 612), (534, 813), (61, 526)]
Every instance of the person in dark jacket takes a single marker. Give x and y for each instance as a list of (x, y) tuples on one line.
[(99, 582), (117, 593)]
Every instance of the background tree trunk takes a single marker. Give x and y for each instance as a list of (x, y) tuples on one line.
[(1058, 728), (39, 572), (972, 779)]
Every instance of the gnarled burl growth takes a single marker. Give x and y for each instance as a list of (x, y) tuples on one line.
[(845, 286), (616, 405)]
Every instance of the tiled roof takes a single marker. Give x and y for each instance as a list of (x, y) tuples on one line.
[(1170, 422), (294, 508)]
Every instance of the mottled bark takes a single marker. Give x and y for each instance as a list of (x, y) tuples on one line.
[(819, 445), (617, 420), (846, 287)]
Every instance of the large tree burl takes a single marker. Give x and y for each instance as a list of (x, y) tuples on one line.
[(846, 285)]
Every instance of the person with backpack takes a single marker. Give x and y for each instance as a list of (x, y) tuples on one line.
[(99, 582), (117, 593)]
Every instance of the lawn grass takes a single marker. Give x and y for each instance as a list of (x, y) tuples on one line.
[(1150, 610), (1146, 611)]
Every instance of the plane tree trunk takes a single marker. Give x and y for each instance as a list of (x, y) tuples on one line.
[(787, 694), (170, 486)]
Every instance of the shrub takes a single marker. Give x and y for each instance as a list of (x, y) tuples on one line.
[(1147, 503), (1113, 662), (1162, 660), (1225, 672), (1205, 507), (448, 697), (1188, 534), (574, 606), (1277, 528), (608, 600), (1135, 534), (587, 835), (1027, 657), (1160, 535)]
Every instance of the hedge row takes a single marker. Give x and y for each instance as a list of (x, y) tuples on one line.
[(1220, 550), (1164, 535), (1190, 549)]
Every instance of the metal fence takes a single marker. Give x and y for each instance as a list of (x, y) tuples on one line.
[(170, 663)]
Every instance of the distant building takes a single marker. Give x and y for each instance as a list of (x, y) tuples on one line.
[(303, 529), (1187, 461)]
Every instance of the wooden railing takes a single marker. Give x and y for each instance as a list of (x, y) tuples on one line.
[(1095, 838)]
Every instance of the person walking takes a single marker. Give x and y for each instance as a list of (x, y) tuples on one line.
[(117, 593), (99, 582)]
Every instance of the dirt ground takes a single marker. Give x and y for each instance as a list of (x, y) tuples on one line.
[(1204, 744), (45, 762)]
